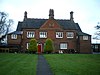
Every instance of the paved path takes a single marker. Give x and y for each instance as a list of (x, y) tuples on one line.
[(42, 66)]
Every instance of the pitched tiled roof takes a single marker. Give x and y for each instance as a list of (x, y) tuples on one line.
[(31, 23), (19, 26), (82, 33), (69, 25), (16, 32), (37, 23)]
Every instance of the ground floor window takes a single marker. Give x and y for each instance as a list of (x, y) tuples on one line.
[(63, 45), (96, 47), (27, 45)]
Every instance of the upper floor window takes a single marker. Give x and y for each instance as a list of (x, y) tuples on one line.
[(59, 34), (13, 36), (85, 37), (70, 35), (43, 34), (30, 34)]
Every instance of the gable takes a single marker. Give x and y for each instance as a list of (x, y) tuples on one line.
[(51, 24)]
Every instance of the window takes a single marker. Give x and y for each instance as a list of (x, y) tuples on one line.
[(63, 46), (13, 36), (85, 37), (59, 34), (96, 46), (43, 34), (27, 45), (70, 35), (30, 34)]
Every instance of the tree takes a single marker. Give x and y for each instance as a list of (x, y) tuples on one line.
[(33, 46), (49, 46), (97, 34), (4, 25)]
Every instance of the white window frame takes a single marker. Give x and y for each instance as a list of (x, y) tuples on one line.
[(63, 45), (27, 45), (30, 34), (14, 36), (70, 34), (85, 37), (59, 34), (43, 34)]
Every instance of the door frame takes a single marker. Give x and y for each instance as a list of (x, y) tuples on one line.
[(40, 51)]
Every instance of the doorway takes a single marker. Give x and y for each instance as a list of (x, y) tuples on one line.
[(39, 48)]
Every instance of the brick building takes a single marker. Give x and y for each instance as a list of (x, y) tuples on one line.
[(66, 34)]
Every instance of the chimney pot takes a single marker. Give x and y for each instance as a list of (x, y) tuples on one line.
[(25, 15), (71, 16), (51, 13)]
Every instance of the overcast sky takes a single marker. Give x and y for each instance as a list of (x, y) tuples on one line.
[(86, 12)]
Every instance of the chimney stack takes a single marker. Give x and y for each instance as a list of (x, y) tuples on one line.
[(25, 15), (51, 14), (71, 16)]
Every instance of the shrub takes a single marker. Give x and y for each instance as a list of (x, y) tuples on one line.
[(48, 47), (33, 46)]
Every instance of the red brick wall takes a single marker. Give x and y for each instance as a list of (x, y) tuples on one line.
[(85, 45), (51, 27), (13, 41), (52, 35)]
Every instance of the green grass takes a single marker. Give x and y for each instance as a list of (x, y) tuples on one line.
[(18, 64), (74, 64)]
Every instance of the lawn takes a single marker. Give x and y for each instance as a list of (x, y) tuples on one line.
[(74, 64), (18, 64)]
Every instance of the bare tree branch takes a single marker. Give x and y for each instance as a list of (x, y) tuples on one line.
[(4, 25), (97, 34)]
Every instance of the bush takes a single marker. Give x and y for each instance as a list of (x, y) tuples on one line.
[(33, 46), (48, 47)]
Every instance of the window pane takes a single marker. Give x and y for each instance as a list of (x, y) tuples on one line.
[(59, 34), (96, 46), (70, 35), (85, 37), (13, 36), (63, 46), (30, 34), (43, 34), (27, 45)]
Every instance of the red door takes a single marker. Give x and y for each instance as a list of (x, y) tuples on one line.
[(39, 48)]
